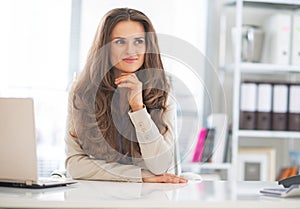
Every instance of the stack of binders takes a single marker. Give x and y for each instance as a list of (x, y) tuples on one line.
[(296, 40), (270, 106), (282, 39), (277, 30)]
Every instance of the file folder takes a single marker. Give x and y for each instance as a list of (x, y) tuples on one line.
[(294, 108), (277, 39), (296, 40), (264, 106), (280, 107), (200, 145), (218, 122), (209, 144), (248, 105)]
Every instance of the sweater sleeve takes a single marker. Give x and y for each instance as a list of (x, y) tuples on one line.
[(81, 166), (157, 149)]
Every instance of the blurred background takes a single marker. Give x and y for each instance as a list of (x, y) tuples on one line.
[(44, 43)]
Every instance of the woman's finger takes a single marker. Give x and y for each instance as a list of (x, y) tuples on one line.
[(177, 178), (127, 78), (172, 178)]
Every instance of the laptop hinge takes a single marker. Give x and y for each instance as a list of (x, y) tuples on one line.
[(28, 182)]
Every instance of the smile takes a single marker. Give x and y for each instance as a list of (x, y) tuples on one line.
[(130, 59)]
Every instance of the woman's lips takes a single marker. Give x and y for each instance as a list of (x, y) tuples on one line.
[(130, 59)]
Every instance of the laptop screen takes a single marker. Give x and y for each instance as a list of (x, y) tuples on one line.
[(18, 158)]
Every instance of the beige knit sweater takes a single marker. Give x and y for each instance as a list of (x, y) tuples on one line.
[(157, 150)]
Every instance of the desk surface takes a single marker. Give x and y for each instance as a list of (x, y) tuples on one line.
[(96, 194)]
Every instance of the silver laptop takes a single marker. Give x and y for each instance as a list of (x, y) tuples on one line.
[(18, 154)]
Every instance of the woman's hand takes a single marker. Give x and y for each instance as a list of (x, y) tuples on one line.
[(164, 178), (132, 83)]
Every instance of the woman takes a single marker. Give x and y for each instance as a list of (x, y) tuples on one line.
[(121, 118)]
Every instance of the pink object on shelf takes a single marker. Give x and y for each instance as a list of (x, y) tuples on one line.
[(200, 145)]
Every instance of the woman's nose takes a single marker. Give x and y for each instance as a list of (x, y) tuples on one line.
[(131, 49)]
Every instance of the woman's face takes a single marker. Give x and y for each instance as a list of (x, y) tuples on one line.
[(128, 46)]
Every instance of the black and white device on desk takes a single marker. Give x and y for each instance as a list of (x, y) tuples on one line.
[(287, 182), (291, 188)]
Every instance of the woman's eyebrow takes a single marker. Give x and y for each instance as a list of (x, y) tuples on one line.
[(118, 38), (140, 35)]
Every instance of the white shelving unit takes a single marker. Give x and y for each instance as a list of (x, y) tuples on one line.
[(263, 68), (268, 134), (220, 166), (239, 69)]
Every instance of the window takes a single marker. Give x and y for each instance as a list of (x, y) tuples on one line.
[(34, 53)]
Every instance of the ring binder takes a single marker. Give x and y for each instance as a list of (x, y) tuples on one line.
[(264, 106), (248, 105), (294, 108), (280, 101)]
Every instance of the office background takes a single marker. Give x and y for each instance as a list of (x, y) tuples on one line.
[(45, 42)]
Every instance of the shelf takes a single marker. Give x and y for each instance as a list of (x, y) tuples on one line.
[(263, 68), (275, 4), (243, 9), (216, 166), (268, 134)]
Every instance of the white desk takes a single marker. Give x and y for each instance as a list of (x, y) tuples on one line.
[(92, 194)]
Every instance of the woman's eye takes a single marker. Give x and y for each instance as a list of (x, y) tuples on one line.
[(139, 41), (120, 41)]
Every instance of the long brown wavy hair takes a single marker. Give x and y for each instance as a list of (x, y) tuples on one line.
[(101, 121)]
